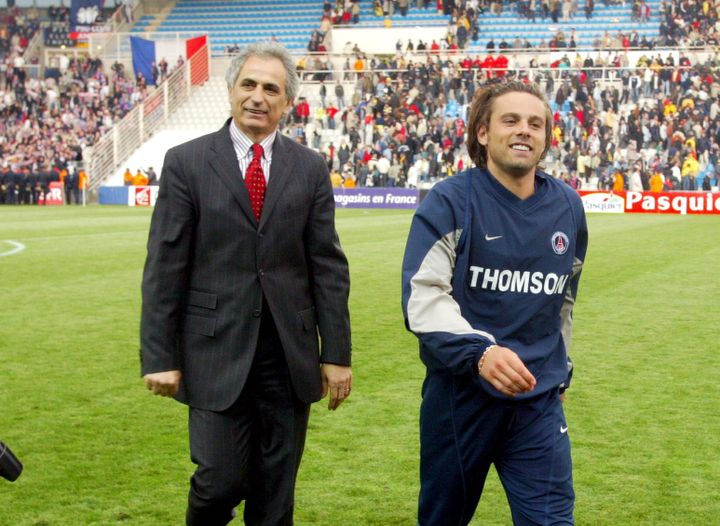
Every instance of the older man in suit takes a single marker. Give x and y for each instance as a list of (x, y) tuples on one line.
[(244, 269)]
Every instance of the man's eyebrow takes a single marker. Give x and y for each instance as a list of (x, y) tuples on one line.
[(515, 115), (245, 80)]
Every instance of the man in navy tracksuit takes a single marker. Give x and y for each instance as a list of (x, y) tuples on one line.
[(490, 276)]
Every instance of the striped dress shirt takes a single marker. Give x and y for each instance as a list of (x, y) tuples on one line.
[(243, 150)]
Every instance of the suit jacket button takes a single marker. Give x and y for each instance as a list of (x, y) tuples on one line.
[(261, 273), (256, 313)]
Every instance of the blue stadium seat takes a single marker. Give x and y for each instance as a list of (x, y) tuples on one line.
[(605, 18), (229, 22), (292, 22)]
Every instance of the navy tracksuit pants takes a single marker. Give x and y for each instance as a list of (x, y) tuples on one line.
[(463, 430)]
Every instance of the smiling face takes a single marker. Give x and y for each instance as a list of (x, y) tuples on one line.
[(258, 98), (515, 135)]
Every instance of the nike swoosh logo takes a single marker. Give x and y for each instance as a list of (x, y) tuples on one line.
[(563, 430), (491, 238)]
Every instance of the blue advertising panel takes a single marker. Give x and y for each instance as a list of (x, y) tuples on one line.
[(377, 198)]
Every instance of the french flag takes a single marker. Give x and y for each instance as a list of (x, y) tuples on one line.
[(146, 52)]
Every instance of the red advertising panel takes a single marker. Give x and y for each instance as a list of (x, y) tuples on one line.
[(672, 202), (651, 202), (142, 195), (198, 54), (56, 195)]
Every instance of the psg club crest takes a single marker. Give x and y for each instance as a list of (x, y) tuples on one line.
[(560, 243)]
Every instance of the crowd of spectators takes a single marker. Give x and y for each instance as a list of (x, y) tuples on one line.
[(78, 98), (683, 22), (17, 27), (48, 120), (45, 125), (555, 10), (464, 26), (341, 12), (25, 186), (405, 122), (140, 177), (689, 23), (623, 126), (615, 124)]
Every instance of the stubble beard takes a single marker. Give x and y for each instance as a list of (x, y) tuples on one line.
[(517, 168)]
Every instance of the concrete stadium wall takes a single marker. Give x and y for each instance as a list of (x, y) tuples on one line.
[(380, 40)]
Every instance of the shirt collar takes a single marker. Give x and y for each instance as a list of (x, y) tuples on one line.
[(243, 144)]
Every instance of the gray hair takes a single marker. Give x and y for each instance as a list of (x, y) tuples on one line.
[(266, 49)]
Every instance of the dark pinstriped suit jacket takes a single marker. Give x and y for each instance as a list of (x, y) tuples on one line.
[(209, 264)]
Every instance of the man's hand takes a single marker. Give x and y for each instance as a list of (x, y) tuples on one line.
[(337, 380), (506, 372), (165, 383)]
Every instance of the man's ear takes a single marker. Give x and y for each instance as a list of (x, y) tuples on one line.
[(482, 136)]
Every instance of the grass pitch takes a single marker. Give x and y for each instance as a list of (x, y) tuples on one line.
[(644, 409)]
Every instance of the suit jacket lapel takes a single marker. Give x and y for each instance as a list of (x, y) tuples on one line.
[(279, 175), (225, 164)]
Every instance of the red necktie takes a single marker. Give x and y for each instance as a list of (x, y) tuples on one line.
[(255, 181)]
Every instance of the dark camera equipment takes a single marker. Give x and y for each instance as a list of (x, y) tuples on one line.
[(10, 466)]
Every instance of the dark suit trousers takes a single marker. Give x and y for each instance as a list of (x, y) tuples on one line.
[(252, 450)]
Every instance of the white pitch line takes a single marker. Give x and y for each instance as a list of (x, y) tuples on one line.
[(19, 247)]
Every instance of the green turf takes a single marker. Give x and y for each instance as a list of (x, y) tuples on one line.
[(644, 410)]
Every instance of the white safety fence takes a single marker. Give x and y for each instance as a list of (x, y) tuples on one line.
[(108, 153)]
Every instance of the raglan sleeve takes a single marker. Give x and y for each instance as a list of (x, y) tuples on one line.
[(566, 318), (447, 340)]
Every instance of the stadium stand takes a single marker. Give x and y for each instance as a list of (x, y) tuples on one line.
[(17, 28), (413, 118), (232, 24), (402, 115), (553, 23)]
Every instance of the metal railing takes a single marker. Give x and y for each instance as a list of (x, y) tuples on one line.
[(116, 146), (116, 46)]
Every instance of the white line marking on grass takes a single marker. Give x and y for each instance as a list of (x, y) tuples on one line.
[(19, 247)]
